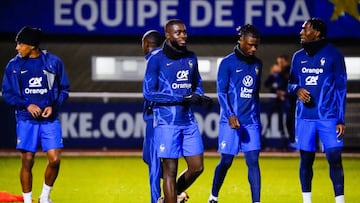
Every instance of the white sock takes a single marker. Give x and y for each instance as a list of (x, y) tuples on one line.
[(212, 197), (340, 199), (45, 191), (27, 197), (306, 197)]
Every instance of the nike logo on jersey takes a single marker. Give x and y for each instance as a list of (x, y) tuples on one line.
[(302, 62), (169, 64), (23, 71), (239, 70)]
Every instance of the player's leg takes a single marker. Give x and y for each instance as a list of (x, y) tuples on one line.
[(251, 145), (219, 174), (51, 141), (169, 179), (305, 132), (27, 163), (228, 147), (167, 142), (195, 166), (333, 156), (252, 162), (193, 149), (153, 162), (155, 174), (27, 133), (333, 149), (306, 173)]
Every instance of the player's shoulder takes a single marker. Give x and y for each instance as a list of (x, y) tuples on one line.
[(331, 49), (14, 63)]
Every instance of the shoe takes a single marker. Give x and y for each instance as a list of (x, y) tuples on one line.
[(183, 197), (44, 200), (212, 201), (161, 200)]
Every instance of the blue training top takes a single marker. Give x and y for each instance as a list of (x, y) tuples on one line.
[(41, 81), (238, 86), (166, 82), (324, 76)]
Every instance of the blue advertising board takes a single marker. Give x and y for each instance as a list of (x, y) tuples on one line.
[(120, 125), (202, 17)]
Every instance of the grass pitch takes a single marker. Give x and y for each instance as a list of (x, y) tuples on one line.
[(113, 179)]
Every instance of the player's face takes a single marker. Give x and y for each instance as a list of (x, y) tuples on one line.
[(248, 45), (177, 34), (24, 50), (144, 46), (307, 33)]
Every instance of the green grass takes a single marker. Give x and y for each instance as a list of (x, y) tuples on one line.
[(105, 179)]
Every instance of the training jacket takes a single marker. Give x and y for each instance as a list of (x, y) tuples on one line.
[(238, 86), (48, 86), (324, 76), (165, 84)]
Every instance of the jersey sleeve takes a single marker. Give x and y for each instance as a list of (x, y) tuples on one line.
[(340, 87), (151, 83), (293, 85), (11, 88), (223, 79)]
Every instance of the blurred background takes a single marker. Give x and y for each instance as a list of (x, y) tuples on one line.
[(99, 42)]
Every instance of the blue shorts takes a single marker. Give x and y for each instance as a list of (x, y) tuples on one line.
[(232, 141), (307, 130), (31, 133), (177, 141)]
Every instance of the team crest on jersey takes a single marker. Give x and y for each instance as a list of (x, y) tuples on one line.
[(223, 144), (322, 61), (190, 63), (257, 70)]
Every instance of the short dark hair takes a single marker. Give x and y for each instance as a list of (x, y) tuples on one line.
[(153, 37), (319, 25), (248, 30), (173, 22)]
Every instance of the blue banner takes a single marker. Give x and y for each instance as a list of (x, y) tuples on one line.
[(203, 18), (92, 125)]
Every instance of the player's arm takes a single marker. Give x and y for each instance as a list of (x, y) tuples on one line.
[(64, 85), (152, 82), (223, 79), (11, 92), (340, 93), (293, 85)]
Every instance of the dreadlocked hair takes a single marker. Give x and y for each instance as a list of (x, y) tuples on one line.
[(248, 30)]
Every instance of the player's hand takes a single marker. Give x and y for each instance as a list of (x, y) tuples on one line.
[(35, 110), (340, 130), (207, 102), (47, 112), (234, 122), (192, 99), (303, 95)]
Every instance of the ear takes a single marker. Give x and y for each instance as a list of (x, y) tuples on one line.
[(167, 35)]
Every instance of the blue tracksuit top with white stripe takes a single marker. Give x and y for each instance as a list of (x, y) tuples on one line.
[(167, 81), (324, 76), (41, 81), (238, 86)]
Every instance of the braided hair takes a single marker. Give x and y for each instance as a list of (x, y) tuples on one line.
[(319, 25), (248, 30)]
